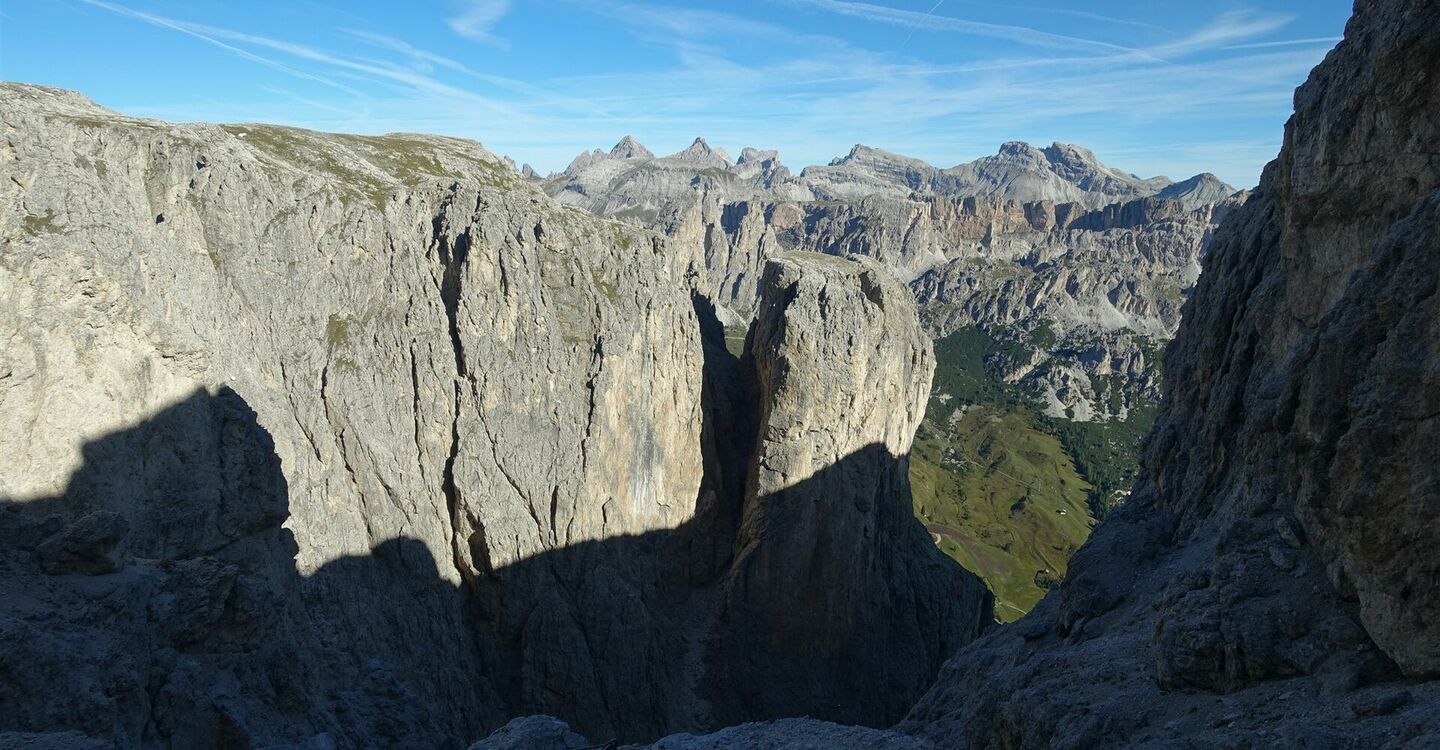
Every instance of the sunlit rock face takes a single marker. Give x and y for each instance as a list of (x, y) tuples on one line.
[(1029, 242), (364, 440), (441, 356), (828, 531)]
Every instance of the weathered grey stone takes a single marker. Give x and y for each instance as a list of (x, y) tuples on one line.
[(93, 543), (1101, 289), (827, 526), (404, 447), (1301, 386), (793, 734), (533, 733), (1050, 242)]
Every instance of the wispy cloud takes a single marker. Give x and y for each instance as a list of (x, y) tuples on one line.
[(752, 80), (1326, 40), (1230, 28), (411, 79), (187, 29), (927, 21), (478, 18), (1104, 19)]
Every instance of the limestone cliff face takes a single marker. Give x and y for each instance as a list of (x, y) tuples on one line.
[(1105, 284), (1312, 362), (1273, 578), (1027, 239), (447, 365), (324, 438), (1272, 581), (836, 343)]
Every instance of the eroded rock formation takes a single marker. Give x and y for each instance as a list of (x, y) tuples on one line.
[(836, 343), (315, 438), (1029, 241)]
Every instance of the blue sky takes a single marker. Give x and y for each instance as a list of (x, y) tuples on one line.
[(1169, 87)]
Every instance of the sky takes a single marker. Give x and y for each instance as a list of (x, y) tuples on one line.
[(1154, 87)]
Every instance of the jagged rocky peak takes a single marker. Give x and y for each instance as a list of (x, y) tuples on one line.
[(763, 167), (1072, 156), (1080, 166), (755, 156), (699, 152), (1021, 151), (585, 159), (1061, 173), (861, 155), (629, 148), (1202, 189)]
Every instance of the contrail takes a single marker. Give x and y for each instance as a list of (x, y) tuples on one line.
[(912, 30)]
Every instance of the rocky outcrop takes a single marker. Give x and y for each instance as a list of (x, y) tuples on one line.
[(1105, 285), (445, 364), (1024, 240), (822, 502), (1272, 579), (326, 440), (1201, 190), (629, 148)]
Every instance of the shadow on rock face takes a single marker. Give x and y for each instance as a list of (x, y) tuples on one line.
[(157, 603)]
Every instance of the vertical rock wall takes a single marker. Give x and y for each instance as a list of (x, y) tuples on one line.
[(325, 438)]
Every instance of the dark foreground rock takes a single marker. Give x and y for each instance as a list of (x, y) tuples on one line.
[(1273, 580)]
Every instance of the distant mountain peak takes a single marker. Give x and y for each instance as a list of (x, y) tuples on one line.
[(1069, 152), (1017, 148), (629, 148), (700, 152), (585, 159), (1203, 188), (699, 146), (750, 155)]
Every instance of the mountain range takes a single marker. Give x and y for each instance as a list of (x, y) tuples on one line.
[(1050, 282), (629, 181), (317, 440)]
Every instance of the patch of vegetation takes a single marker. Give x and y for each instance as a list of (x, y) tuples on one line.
[(1106, 453), (1043, 337), (1109, 392), (1005, 490), (35, 225), (392, 160), (735, 339), (306, 150), (337, 333), (1002, 498), (606, 286), (88, 123), (635, 214), (962, 371)]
